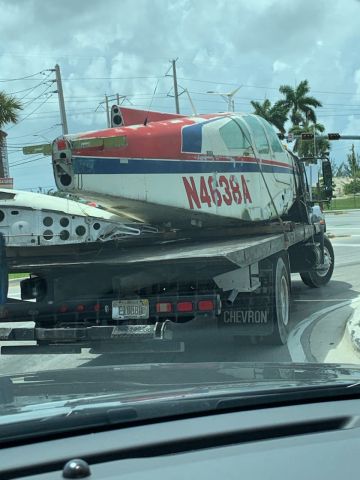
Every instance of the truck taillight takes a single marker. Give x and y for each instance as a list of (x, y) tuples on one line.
[(163, 307), (185, 307), (206, 305), (63, 309), (97, 307), (80, 308)]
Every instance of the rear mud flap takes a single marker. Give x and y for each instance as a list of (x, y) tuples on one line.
[(251, 316)]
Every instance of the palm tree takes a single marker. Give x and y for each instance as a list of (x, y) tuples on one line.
[(305, 148), (299, 103), (275, 114), (9, 109)]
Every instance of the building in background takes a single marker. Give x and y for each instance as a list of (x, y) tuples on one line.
[(340, 183), (5, 180)]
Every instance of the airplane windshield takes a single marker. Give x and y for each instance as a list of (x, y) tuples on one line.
[(272, 136), (259, 136), (233, 135)]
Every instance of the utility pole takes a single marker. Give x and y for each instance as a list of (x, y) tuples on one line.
[(176, 93), (61, 100)]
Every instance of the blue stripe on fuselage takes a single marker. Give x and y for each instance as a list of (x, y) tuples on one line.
[(191, 136), (93, 166)]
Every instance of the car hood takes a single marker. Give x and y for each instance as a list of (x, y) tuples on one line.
[(34, 406)]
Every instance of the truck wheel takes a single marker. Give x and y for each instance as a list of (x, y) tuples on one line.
[(318, 278), (281, 302)]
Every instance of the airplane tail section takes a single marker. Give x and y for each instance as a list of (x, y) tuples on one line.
[(124, 117)]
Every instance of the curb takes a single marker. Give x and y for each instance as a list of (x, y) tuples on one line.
[(353, 329), (327, 212)]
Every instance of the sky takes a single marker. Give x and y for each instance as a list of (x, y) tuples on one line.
[(125, 46)]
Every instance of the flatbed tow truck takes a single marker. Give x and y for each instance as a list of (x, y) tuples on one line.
[(227, 217), (149, 290)]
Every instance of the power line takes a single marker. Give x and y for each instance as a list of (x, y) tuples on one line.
[(30, 89), (44, 82), (31, 113), (20, 145), (88, 99), (213, 82), (51, 55), (150, 77), (13, 165), (43, 130), (39, 96), (5, 80), (25, 105)]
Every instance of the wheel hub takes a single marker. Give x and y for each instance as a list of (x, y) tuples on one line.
[(284, 301), (323, 270)]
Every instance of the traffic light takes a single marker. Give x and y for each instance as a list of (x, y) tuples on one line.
[(334, 136), (307, 136), (116, 118)]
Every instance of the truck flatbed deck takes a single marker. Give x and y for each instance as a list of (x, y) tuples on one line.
[(241, 247)]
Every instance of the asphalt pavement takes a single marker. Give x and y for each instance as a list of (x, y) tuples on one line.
[(318, 321)]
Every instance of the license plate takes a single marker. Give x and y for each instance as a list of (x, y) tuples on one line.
[(130, 309)]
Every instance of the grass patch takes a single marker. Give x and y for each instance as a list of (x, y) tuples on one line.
[(344, 203), (17, 275)]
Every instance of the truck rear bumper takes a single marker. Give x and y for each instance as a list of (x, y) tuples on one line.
[(164, 336), (119, 339)]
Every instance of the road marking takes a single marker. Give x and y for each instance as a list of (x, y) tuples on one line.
[(324, 300), (350, 235), (346, 244), (294, 344)]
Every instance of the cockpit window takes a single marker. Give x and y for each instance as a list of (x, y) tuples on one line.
[(233, 136), (261, 142), (273, 138)]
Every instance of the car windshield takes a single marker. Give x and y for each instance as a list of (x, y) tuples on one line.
[(179, 199)]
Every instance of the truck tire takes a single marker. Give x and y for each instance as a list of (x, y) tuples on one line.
[(280, 301), (316, 278)]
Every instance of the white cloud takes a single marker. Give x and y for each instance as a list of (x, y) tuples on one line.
[(279, 66)]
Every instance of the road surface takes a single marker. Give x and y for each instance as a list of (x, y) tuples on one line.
[(318, 320)]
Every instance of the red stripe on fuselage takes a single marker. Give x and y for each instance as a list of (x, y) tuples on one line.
[(153, 141)]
